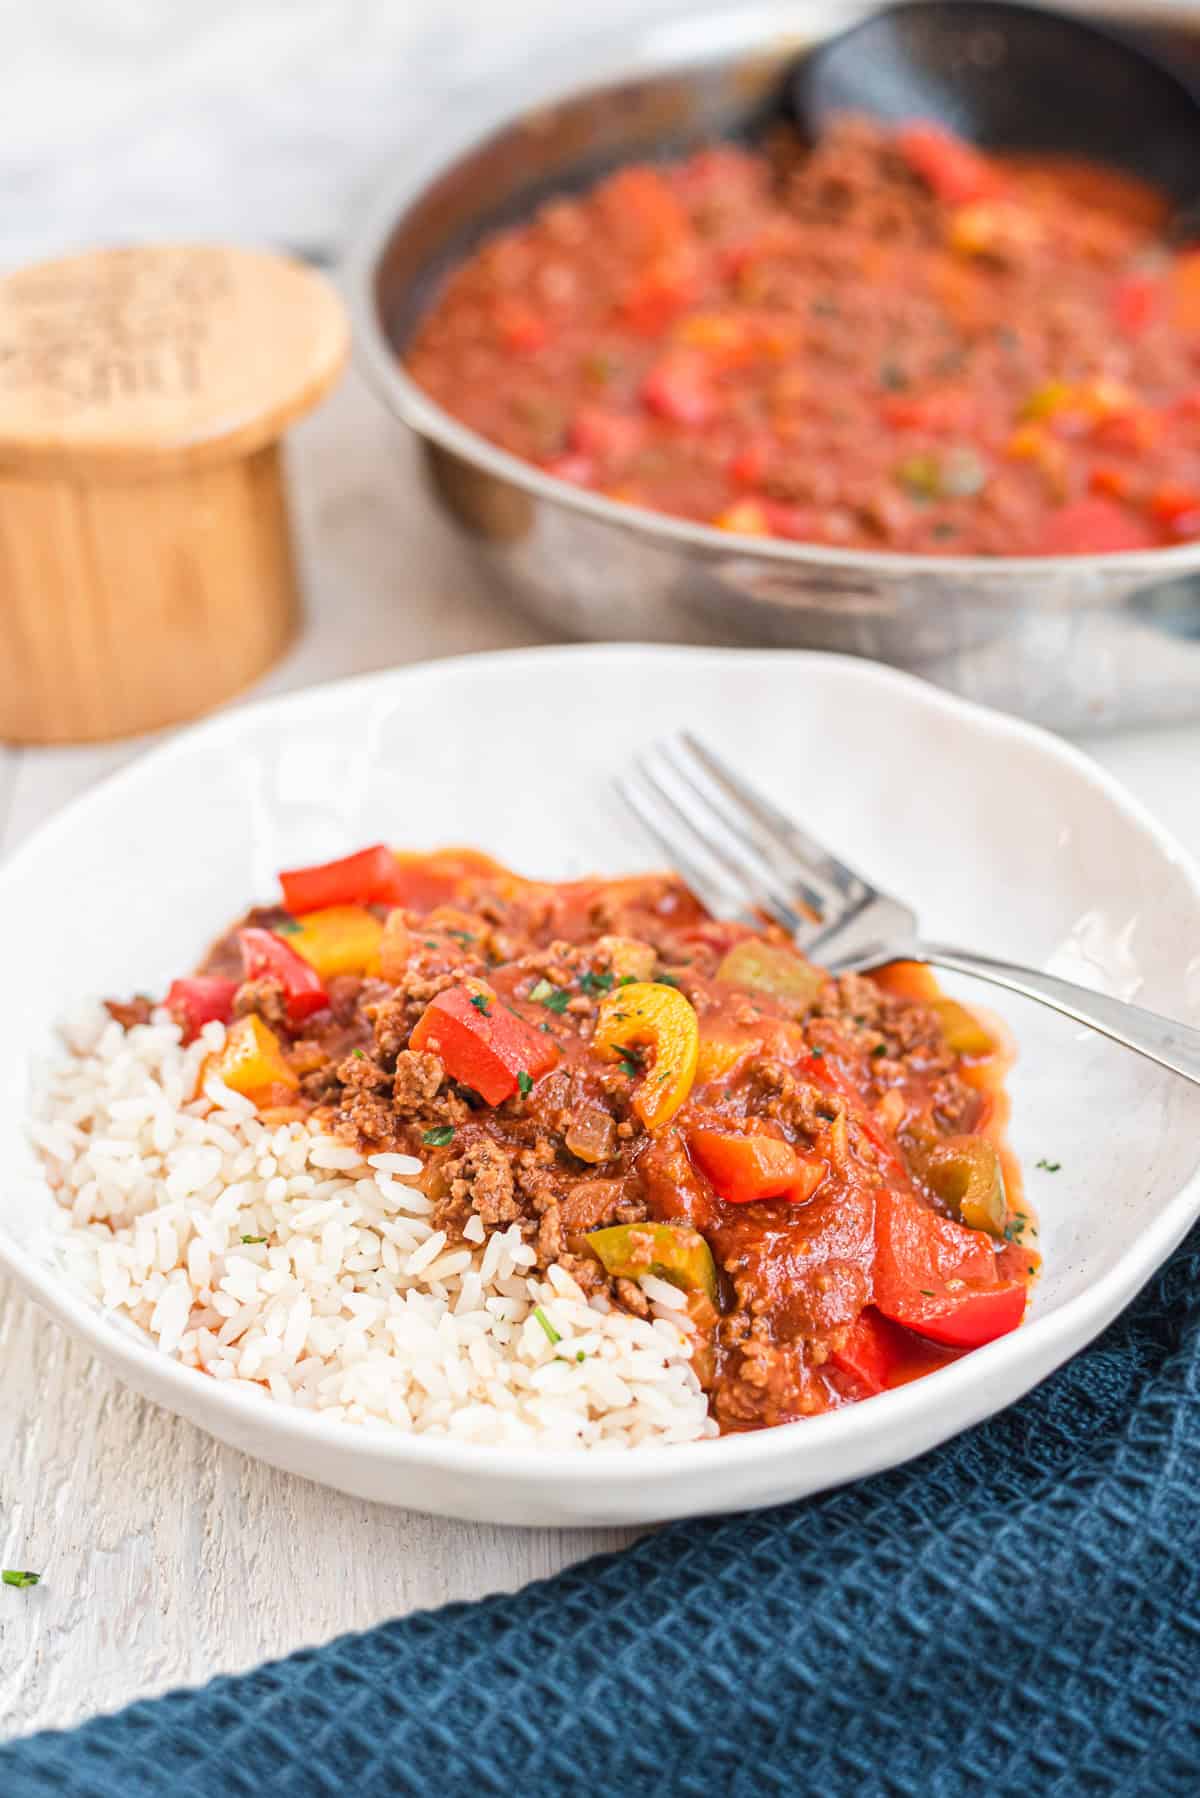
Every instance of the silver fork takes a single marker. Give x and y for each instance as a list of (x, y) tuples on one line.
[(743, 856)]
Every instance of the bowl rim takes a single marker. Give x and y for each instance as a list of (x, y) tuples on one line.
[(594, 63), (1042, 1342)]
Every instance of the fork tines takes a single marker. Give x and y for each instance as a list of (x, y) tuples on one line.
[(731, 844)]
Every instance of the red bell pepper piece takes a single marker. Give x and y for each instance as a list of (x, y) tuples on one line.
[(1110, 481), (977, 1317), (1092, 527), (872, 1351), (370, 877), (951, 168), (942, 412), (654, 299), (642, 204), (521, 328), (1178, 508), (266, 955), (938, 1278), (605, 436), (744, 1167), (200, 999), (1136, 301), (678, 388), (750, 465), (482, 1043)]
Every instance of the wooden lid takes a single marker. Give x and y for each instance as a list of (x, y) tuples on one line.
[(145, 361)]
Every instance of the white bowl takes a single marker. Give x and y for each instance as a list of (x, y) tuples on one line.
[(1006, 839)]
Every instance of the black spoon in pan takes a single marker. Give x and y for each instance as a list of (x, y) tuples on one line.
[(1012, 77)]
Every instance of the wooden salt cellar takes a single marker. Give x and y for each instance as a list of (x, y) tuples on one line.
[(146, 570)]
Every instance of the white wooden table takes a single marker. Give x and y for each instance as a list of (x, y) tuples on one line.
[(166, 1557)]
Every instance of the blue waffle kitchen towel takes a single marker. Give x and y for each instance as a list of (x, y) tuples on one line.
[(1015, 1613)]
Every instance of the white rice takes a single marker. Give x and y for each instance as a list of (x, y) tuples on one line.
[(352, 1305)]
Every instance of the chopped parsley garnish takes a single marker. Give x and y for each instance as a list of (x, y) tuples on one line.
[(554, 998), (432, 943), (13, 1576), (926, 1293), (252, 1239), (666, 980), (359, 1054), (819, 1053), (481, 1003), (286, 927), (1051, 1167), (461, 936), (1014, 1229), (595, 983), (524, 1084), (627, 980), (879, 1049), (1032, 1270), (439, 1137), (553, 1334), (579, 1355), (626, 1061)]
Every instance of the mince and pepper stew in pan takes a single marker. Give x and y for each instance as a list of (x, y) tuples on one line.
[(816, 1162), (890, 341)]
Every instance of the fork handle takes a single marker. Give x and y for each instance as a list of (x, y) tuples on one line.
[(1171, 1044)]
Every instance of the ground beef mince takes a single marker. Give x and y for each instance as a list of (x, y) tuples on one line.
[(889, 341), (650, 1095)]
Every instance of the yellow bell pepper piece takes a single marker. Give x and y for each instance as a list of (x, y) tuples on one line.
[(251, 1061), (659, 1018), (965, 1035), (1000, 228), (745, 516), (718, 333), (1048, 400), (718, 1055), (342, 939), (627, 956)]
